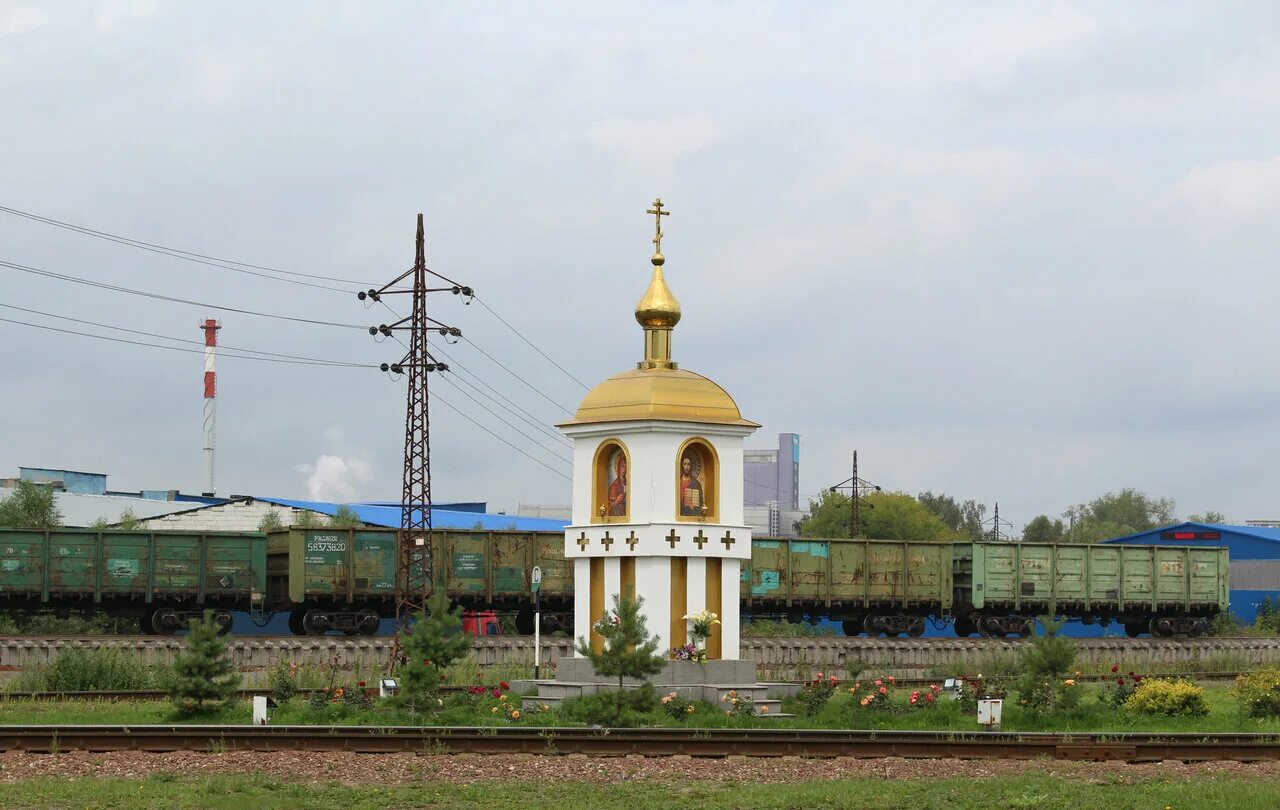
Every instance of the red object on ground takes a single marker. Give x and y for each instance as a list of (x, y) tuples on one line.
[(481, 623)]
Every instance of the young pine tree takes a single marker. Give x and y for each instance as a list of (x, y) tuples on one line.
[(202, 673), (628, 650), (433, 642)]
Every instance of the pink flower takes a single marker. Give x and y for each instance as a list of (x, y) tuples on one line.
[(884, 691), (878, 681), (929, 698)]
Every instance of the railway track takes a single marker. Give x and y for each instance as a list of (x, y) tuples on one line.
[(646, 742)]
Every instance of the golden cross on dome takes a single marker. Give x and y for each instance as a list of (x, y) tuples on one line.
[(658, 214)]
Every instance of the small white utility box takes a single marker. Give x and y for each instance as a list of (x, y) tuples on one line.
[(387, 687), (260, 710), (989, 713)]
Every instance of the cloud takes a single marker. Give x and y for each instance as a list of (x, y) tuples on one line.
[(659, 141), (334, 478), (21, 19), (1235, 192)]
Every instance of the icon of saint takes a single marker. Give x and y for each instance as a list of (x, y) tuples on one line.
[(618, 486), (691, 499)]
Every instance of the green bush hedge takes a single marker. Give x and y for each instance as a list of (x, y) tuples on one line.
[(1259, 693)]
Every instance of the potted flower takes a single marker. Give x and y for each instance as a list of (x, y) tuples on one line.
[(700, 627)]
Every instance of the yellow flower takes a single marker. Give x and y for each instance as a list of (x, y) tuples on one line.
[(764, 709), (494, 710), (503, 697), (515, 715), (1070, 682)]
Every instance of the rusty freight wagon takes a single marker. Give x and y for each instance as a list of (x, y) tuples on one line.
[(872, 586), (344, 579), (1162, 590), (163, 578)]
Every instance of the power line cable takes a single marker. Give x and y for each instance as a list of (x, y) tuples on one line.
[(513, 411), (186, 255), (499, 438), (449, 379), (565, 459), (518, 334), (183, 340), (169, 298), (249, 268), (528, 384), (533, 420), (180, 349)]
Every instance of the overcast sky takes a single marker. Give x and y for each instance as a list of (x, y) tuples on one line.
[(1014, 252)]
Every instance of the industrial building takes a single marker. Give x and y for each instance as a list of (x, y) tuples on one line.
[(771, 488), (83, 499), (245, 514), (1254, 552)]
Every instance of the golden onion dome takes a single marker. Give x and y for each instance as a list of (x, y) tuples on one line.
[(658, 307), (658, 388)]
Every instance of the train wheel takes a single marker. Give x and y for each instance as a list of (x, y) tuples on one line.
[(144, 624), (369, 621), (851, 627), (295, 623), (1133, 630), (310, 624), (1027, 629), (224, 621), (1198, 628), (915, 628), (964, 626)]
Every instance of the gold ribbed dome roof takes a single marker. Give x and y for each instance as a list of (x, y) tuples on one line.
[(657, 388), (671, 394)]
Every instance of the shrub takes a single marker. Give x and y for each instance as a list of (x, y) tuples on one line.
[(433, 642), (1046, 661), (877, 693), (77, 670), (1170, 698), (677, 706), (1259, 693), (970, 690), (283, 680), (1116, 692), (356, 697), (925, 699), (815, 694), (628, 650), (202, 672), (602, 708), (738, 704)]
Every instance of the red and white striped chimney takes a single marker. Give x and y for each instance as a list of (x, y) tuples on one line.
[(210, 328)]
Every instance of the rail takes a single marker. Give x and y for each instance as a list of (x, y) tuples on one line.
[(645, 742)]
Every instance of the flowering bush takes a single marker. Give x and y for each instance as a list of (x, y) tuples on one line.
[(970, 690), (877, 693), (283, 679), (815, 694), (1117, 691), (689, 653), (738, 705), (356, 698), (606, 622), (926, 698), (1259, 693), (677, 706), (1170, 698)]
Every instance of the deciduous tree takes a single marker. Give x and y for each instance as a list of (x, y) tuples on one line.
[(30, 506)]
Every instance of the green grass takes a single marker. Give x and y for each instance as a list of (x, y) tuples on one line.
[(1039, 792), (840, 713)]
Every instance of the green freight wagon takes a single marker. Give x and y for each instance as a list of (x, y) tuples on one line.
[(344, 579), (876, 586), (163, 578), (1163, 590)]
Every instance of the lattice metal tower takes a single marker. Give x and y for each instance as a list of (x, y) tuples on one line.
[(414, 564)]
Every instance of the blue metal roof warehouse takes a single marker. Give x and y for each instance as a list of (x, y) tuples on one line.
[(387, 514), (1254, 552)]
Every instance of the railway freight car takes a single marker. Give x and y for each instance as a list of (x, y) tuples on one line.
[(344, 579), (1162, 590), (872, 586), (164, 579)]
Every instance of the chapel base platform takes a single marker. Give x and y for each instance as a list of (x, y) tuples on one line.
[(707, 682)]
